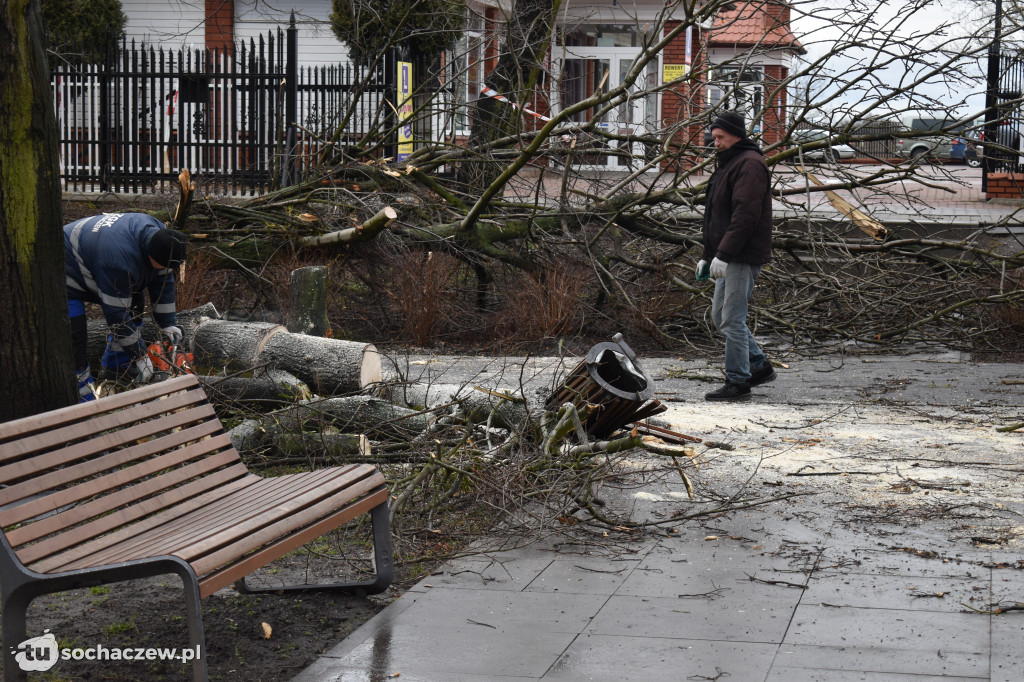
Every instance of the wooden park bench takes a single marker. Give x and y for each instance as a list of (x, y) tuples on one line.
[(147, 483)]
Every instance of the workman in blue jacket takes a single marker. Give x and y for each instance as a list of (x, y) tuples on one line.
[(113, 259)]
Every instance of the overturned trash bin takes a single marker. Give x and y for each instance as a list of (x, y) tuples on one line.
[(611, 378)]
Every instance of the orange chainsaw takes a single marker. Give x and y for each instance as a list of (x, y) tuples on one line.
[(168, 361)]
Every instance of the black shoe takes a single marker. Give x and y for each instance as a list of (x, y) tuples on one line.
[(730, 391), (763, 375)]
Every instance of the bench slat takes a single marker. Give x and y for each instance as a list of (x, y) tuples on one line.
[(45, 422), (91, 467), (283, 523), (116, 479), (136, 510), (292, 541), (94, 428), (226, 515)]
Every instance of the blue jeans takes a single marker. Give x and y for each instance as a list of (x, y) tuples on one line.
[(729, 314)]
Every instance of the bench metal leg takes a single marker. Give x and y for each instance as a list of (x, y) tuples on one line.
[(19, 586), (383, 556)]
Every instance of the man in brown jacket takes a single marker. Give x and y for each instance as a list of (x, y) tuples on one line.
[(737, 244)]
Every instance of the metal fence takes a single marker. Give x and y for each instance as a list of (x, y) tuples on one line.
[(242, 121)]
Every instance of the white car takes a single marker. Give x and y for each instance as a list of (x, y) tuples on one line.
[(831, 154)]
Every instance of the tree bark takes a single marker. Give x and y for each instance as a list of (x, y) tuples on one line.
[(352, 414), (307, 297), (36, 373), (478, 407), (328, 366)]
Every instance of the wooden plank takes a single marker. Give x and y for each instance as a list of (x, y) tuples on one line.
[(232, 572), (148, 514), (92, 467), (112, 422), (237, 515), (110, 442), (116, 479), (155, 539), (66, 415), (241, 545)]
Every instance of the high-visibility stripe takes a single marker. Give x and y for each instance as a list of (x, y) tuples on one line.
[(163, 308), (76, 238)]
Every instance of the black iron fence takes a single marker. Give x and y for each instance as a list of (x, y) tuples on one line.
[(242, 121)]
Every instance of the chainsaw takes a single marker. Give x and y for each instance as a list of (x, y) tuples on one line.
[(169, 361)]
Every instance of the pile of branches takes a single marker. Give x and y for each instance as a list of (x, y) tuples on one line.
[(831, 281)]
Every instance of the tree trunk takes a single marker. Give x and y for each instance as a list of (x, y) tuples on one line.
[(268, 387), (478, 407), (352, 414), (514, 76), (307, 309), (36, 373), (329, 366)]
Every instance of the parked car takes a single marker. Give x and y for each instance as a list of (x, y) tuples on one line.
[(958, 144), (831, 154)]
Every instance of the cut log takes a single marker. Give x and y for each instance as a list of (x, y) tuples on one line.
[(266, 387), (328, 366), (477, 406), (376, 418), (307, 301), (252, 439)]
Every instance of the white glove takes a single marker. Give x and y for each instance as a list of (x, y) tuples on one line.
[(174, 334), (702, 273), (718, 268), (145, 367)]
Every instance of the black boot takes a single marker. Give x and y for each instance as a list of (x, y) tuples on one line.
[(763, 375), (730, 391)]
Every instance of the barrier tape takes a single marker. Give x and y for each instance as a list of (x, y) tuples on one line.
[(488, 92)]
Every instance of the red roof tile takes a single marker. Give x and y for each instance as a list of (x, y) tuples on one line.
[(749, 25)]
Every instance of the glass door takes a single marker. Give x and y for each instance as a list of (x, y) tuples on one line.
[(588, 71)]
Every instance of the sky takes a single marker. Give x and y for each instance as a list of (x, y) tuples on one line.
[(938, 29)]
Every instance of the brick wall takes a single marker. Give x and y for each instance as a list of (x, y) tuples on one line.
[(685, 101), (1005, 186), (220, 24)]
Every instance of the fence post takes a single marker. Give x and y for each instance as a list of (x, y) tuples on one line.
[(291, 95), (104, 118), (391, 94), (989, 153)]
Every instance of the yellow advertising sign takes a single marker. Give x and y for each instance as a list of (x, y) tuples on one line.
[(405, 145), (671, 72)]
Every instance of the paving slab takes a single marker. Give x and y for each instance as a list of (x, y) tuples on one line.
[(900, 534), (653, 659)]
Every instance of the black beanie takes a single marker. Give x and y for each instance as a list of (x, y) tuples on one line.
[(167, 247), (730, 122)]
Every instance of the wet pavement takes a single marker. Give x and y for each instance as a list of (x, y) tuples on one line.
[(901, 539)]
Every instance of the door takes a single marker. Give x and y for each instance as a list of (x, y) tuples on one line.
[(587, 71)]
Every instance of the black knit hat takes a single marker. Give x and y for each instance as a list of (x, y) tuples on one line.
[(167, 247), (730, 122)]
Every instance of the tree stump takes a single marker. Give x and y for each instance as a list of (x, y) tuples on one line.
[(307, 307)]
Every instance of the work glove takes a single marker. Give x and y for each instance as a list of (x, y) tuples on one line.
[(143, 370), (718, 268), (174, 334), (702, 270)]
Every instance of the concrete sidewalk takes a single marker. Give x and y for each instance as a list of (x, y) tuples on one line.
[(904, 533)]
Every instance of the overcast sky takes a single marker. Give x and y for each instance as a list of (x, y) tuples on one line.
[(938, 30)]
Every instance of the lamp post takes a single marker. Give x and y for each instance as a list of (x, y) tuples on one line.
[(992, 101)]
